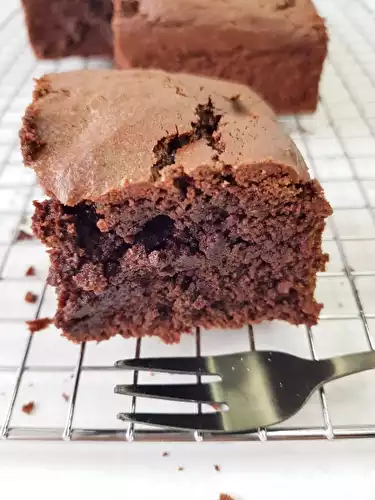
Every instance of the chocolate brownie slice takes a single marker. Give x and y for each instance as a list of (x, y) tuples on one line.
[(175, 201), (276, 46), (69, 27)]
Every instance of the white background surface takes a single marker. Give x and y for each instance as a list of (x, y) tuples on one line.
[(339, 144)]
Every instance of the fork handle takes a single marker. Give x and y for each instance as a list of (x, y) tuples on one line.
[(342, 366)]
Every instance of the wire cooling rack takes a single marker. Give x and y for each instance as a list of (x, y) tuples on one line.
[(71, 386)]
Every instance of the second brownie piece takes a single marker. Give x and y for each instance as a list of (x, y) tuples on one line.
[(276, 46), (59, 28)]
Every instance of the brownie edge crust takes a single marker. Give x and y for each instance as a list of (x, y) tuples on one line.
[(175, 201)]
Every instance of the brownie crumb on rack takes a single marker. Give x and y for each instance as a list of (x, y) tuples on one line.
[(31, 297), (66, 396), (36, 325), (30, 271), (23, 235), (225, 496), (28, 408), (165, 454), (217, 467), (180, 468)]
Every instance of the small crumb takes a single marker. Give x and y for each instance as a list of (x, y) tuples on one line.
[(235, 97), (217, 468), (28, 408), (30, 271), (180, 468), (225, 496), (23, 235), (66, 396), (31, 297), (165, 454), (35, 325)]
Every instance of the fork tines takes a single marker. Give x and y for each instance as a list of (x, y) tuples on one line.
[(199, 393)]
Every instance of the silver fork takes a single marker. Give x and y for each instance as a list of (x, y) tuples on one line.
[(258, 389)]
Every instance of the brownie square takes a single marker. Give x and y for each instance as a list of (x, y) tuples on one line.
[(176, 201), (276, 46), (69, 27)]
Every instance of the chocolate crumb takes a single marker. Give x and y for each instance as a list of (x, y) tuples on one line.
[(66, 396), (225, 496), (28, 408), (180, 468), (31, 297), (165, 454), (30, 271), (35, 325), (22, 235), (217, 468)]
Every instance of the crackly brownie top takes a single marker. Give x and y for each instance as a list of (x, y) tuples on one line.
[(90, 133), (268, 24)]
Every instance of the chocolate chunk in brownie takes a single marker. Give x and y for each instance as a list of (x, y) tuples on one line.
[(170, 210), (276, 46)]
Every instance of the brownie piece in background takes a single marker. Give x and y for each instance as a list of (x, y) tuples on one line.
[(276, 46), (60, 28), (175, 201)]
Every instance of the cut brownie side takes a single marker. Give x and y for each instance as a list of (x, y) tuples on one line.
[(69, 27), (278, 48), (204, 214)]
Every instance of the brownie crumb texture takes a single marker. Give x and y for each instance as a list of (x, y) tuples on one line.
[(30, 271), (39, 324), (31, 297), (28, 408), (217, 468)]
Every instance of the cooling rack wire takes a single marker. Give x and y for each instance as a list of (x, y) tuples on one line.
[(71, 386)]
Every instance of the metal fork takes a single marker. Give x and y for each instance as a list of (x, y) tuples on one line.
[(258, 389)]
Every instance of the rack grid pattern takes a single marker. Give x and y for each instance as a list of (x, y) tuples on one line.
[(72, 385)]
